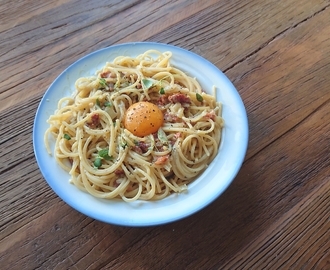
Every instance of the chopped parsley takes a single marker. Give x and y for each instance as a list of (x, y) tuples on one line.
[(66, 136), (136, 142), (98, 162), (104, 153), (147, 83), (162, 91), (199, 97), (98, 103), (162, 136), (103, 82), (107, 104)]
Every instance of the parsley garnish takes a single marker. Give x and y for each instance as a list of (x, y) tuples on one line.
[(103, 82), (66, 136), (98, 162), (98, 103), (147, 83), (199, 97), (162, 136), (162, 91), (104, 153), (107, 104)]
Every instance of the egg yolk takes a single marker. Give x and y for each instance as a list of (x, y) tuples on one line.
[(143, 118)]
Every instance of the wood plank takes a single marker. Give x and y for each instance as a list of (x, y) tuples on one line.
[(53, 23), (43, 67), (282, 73), (42, 229), (34, 68), (295, 235), (57, 227), (224, 226), (27, 12), (251, 204), (239, 29)]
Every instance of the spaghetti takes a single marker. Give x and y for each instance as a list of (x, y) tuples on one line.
[(139, 129)]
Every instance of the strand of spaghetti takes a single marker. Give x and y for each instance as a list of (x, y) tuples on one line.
[(151, 183), (134, 198), (167, 183), (187, 144), (57, 152), (102, 194), (165, 192), (65, 151), (46, 135), (186, 170)]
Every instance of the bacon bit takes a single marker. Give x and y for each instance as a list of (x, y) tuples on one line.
[(171, 118), (119, 172), (144, 147), (129, 188), (139, 86), (178, 135), (141, 148), (95, 121), (108, 74), (211, 115), (175, 137), (111, 86), (179, 98), (161, 160), (105, 74), (163, 100), (137, 149)]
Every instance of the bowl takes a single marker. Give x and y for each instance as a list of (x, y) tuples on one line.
[(201, 192)]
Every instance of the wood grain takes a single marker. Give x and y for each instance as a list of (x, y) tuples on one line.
[(305, 245), (55, 36), (275, 214), (285, 94)]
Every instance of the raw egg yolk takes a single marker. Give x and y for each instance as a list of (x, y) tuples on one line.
[(143, 118)]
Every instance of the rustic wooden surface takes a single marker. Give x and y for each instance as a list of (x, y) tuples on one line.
[(275, 215)]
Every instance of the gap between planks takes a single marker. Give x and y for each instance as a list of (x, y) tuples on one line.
[(279, 35)]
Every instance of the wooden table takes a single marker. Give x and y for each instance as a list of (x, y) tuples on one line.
[(275, 214)]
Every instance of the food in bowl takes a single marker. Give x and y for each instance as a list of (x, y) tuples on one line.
[(140, 129)]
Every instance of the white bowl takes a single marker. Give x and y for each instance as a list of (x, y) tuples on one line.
[(215, 179)]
